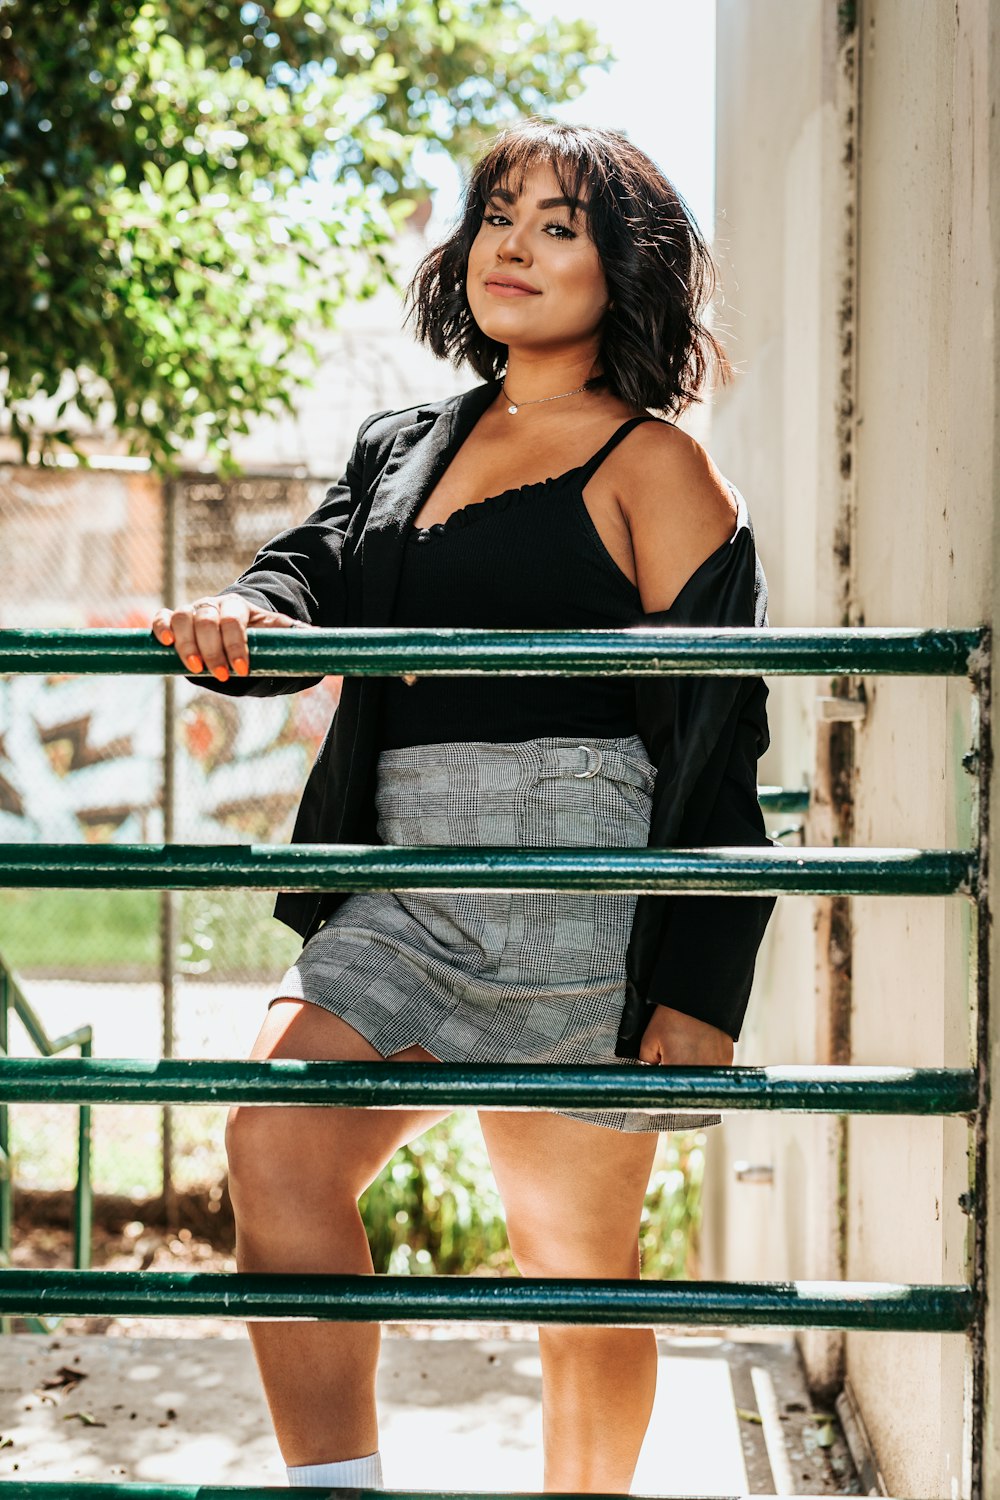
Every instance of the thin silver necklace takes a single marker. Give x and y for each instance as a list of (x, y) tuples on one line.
[(515, 406)]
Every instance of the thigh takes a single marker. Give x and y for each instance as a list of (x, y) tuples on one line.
[(335, 1142), (572, 1192)]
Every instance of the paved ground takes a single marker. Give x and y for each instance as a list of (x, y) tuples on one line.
[(457, 1412), (211, 1020)]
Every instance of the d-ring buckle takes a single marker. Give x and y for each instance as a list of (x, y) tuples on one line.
[(591, 770)]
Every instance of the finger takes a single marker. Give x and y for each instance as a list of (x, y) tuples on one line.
[(269, 619), (265, 619), (233, 615), (182, 626), (208, 635), (160, 627)]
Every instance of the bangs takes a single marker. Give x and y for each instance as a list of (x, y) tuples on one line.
[(505, 167)]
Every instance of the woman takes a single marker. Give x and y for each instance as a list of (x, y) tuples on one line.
[(547, 497)]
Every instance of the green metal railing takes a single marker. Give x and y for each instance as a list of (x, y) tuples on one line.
[(13, 1001), (641, 651), (837, 871)]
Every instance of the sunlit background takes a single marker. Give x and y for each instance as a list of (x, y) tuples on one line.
[(660, 91)]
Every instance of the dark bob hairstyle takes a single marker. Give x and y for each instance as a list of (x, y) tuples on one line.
[(655, 351)]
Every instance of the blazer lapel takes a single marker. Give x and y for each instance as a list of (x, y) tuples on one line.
[(420, 453)]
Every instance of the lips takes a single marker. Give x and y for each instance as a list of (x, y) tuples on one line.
[(510, 284)]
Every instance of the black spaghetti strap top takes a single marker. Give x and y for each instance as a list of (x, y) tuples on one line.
[(529, 558)]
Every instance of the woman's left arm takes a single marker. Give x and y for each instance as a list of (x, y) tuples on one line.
[(679, 510), (678, 507)]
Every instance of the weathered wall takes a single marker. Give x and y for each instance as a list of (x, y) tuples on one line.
[(780, 231), (860, 253)]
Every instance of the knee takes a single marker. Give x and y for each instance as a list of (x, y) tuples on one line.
[(249, 1151), (541, 1250), (272, 1168)]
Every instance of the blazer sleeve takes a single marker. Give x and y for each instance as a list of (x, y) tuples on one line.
[(706, 953), (298, 573), (696, 953)]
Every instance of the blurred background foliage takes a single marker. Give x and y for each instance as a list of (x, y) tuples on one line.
[(187, 190), (433, 1210)]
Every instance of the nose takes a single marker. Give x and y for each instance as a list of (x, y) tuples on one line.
[(514, 246)]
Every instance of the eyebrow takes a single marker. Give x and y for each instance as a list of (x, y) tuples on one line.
[(506, 196)]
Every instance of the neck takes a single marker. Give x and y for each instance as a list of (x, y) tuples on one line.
[(531, 377)]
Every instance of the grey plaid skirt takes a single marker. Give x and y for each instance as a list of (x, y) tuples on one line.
[(494, 976)]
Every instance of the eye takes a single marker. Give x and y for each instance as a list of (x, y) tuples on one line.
[(492, 215), (565, 233)]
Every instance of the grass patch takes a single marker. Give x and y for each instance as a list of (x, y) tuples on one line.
[(220, 934), (42, 930)]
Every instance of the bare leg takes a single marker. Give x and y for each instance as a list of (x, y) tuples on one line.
[(295, 1175), (573, 1196)]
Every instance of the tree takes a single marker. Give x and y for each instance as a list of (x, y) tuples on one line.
[(156, 166)]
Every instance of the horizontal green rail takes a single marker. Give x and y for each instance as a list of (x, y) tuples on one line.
[(394, 1085), (784, 798), (634, 651), (621, 1303), (364, 867)]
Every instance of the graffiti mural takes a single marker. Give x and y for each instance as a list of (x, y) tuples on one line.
[(81, 760)]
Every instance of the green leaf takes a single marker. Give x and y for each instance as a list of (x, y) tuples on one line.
[(166, 279), (84, 1417), (175, 177)]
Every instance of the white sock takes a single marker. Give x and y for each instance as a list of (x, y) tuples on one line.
[(364, 1473)]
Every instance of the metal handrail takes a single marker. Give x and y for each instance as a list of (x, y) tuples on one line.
[(13, 998), (364, 867), (852, 1089), (906, 1308), (635, 651), (638, 651)]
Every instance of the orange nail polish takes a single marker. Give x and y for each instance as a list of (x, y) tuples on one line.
[(222, 673), (241, 666), (167, 638), (195, 664)]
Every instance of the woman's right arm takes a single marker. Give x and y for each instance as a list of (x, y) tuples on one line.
[(293, 581)]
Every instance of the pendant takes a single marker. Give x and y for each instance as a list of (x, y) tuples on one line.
[(512, 410)]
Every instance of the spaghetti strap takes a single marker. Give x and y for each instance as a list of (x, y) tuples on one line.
[(589, 469)]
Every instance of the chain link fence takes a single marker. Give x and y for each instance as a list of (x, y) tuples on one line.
[(143, 760)]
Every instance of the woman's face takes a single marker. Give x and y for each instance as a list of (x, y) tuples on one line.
[(534, 277)]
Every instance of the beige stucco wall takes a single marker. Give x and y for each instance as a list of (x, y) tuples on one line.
[(856, 179), (775, 432)]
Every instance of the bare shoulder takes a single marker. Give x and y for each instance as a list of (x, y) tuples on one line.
[(678, 505), (667, 471)]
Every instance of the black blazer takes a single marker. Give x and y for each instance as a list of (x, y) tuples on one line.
[(695, 953)]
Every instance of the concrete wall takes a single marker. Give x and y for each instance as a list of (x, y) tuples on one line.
[(857, 170)]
